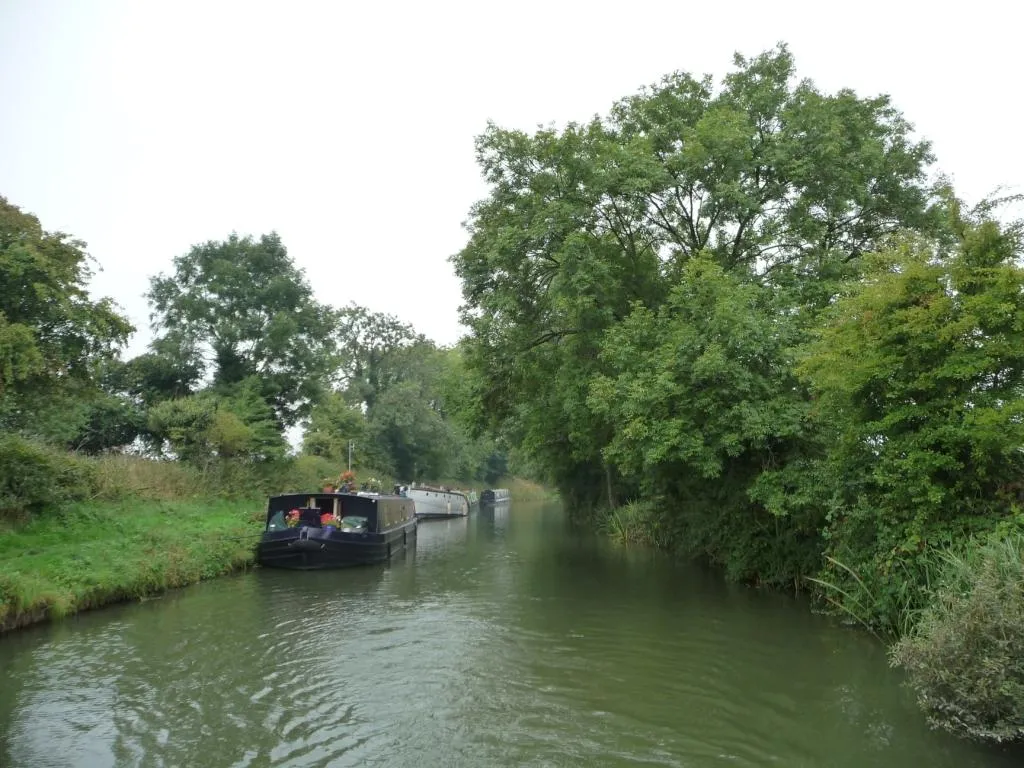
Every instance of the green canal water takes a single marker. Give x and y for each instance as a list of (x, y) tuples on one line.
[(503, 640)]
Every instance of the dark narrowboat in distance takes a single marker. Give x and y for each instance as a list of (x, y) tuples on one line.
[(495, 496), (313, 531)]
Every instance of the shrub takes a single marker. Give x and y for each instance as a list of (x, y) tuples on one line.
[(33, 477), (965, 656)]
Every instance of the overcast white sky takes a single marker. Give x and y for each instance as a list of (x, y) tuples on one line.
[(146, 127)]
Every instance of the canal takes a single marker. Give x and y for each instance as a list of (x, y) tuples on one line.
[(503, 640)]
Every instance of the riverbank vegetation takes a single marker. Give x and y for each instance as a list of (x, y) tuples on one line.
[(91, 554), (747, 322), (123, 476)]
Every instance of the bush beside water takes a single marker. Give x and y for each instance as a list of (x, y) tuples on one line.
[(965, 655)]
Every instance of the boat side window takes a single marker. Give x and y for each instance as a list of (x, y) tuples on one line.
[(277, 522), (353, 523)]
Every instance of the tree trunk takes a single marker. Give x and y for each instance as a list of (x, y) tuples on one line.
[(608, 481)]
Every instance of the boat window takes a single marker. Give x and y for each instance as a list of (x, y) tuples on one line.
[(277, 522)]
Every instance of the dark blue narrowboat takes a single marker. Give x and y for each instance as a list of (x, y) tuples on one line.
[(313, 531), (495, 496)]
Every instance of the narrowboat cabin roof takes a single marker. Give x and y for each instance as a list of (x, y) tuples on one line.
[(364, 505)]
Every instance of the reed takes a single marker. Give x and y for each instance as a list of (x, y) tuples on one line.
[(632, 523), (890, 608)]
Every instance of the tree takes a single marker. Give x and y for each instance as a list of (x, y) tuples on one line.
[(403, 401), (704, 401), (774, 181), (333, 423), (251, 312), (168, 371), (368, 343), (52, 335), (418, 443), (919, 378), (206, 427)]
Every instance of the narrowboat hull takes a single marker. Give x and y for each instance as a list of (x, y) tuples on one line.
[(311, 549), (493, 496), (438, 505), (300, 536)]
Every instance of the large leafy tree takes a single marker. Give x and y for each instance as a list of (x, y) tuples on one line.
[(776, 182), (244, 310)]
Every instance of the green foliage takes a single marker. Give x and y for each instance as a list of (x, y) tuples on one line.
[(108, 422), (54, 339), (965, 658), (50, 330), (171, 370), (370, 346), (580, 247), (206, 427), (919, 376), (35, 478), (403, 400), (704, 406), (636, 522), (332, 424), (245, 302), (411, 434)]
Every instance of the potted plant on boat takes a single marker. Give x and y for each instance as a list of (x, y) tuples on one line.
[(292, 518), (328, 484), (329, 521), (347, 481)]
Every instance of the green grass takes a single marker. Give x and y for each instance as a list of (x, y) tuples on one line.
[(91, 554), (521, 489)]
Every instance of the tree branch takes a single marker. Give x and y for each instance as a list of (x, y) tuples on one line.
[(550, 336)]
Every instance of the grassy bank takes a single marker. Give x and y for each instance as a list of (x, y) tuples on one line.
[(78, 533), (85, 532), (96, 553)]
